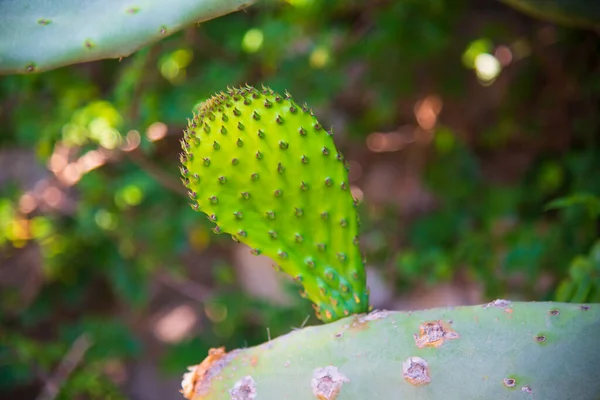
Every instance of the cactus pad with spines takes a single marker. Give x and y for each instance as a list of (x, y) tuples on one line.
[(502, 350), (268, 173)]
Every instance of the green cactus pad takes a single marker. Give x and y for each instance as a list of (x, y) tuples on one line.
[(501, 350), (37, 35), (268, 173)]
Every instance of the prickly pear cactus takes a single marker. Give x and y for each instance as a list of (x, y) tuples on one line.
[(268, 173), (501, 350), (37, 35)]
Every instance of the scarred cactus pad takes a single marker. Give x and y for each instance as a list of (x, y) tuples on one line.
[(501, 350)]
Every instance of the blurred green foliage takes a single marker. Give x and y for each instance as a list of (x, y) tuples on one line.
[(494, 185)]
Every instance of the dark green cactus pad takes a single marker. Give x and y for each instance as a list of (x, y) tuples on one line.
[(268, 173), (37, 35), (501, 350)]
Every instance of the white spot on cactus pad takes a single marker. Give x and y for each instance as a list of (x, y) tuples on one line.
[(500, 303), (244, 389), (374, 315), (527, 389), (416, 371), (327, 382)]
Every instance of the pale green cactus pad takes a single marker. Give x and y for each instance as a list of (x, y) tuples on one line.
[(37, 35), (268, 173), (501, 350)]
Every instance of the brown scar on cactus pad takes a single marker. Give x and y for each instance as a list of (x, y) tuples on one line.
[(509, 382), (327, 382), (196, 382), (265, 171), (416, 371), (434, 334)]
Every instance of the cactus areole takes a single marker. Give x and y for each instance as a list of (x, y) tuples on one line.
[(266, 172)]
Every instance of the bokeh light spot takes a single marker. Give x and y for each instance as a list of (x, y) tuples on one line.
[(199, 239), (182, 57), (504, 55), (130, 195), (427, 110), (27, 203), (53, 196), (132, 141), (106, 220), (41, 227), (320, 57), (169, 69), (474, 49), (444, 140), (379, 142), (487, 67), (216, 312), (71, 174), (176, 324), (156, 131), (252, 41), (91, 160)]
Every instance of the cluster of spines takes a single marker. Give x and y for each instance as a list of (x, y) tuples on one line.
[(336, 291)]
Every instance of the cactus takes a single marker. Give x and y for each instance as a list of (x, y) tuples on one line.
[(268, 173), (501, 350), (38, 35)]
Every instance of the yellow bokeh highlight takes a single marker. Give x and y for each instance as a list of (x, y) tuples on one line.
[(320, 57), (130, 195), (252, 41), (474, 49), (182, 57), (106, 220), (172, 67), (98, 121), (169, 69), (199, 239)]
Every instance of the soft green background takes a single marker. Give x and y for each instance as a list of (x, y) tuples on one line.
[(472, 133)]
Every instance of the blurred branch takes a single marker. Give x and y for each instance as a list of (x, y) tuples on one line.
[(186, 287), (67, 365), (166, 180), (145, 80)]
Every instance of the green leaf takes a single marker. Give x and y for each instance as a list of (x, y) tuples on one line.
[(587, 200)]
